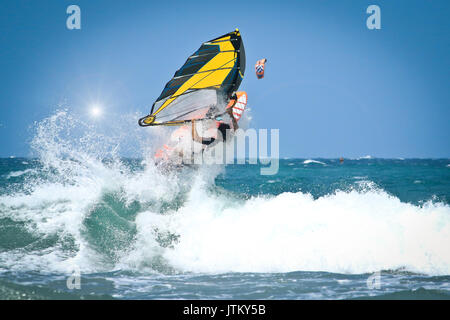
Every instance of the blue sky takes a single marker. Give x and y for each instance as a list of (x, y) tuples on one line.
[(332, 86)]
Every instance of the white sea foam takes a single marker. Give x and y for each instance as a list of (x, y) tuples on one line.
[(313, 161), (349, 232), (365, 157), (15, 174)]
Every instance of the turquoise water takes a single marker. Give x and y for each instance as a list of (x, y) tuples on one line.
[(316, 230)]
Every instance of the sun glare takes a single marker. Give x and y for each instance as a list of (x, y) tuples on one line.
[(96, 110)]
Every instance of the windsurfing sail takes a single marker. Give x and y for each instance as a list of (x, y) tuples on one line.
[(213, 72)]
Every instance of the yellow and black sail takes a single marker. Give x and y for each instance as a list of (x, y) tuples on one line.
[(216, 69)]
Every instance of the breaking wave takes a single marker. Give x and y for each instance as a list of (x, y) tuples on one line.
[(313, 161), (90, 209)]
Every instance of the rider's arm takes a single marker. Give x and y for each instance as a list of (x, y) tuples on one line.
[(235, 124), (199, 139)]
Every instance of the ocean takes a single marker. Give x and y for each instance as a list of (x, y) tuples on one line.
[(80, 223), (316, 230)]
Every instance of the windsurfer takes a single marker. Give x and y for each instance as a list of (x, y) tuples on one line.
[(221, 130)]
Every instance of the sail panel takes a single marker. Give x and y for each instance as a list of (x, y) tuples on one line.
[(192, 105)]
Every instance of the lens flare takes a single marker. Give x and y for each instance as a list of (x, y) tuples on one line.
[(96, 110)]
